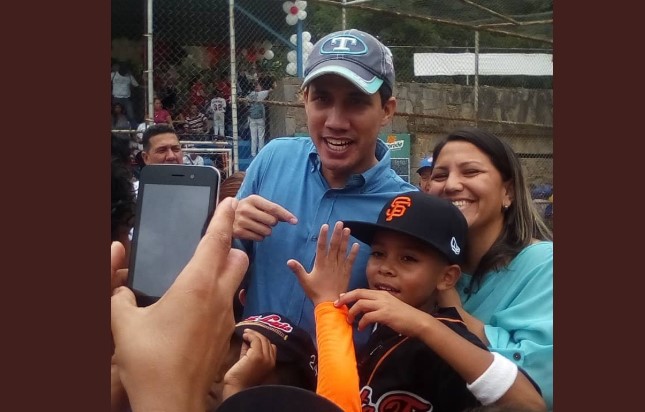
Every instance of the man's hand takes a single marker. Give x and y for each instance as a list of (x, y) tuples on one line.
[(168, 353), (255, 216), (332, 266)]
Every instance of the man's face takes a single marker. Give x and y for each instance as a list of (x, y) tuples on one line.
[(344, 124), (164, 148)]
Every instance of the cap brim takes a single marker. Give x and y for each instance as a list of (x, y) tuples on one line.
[(364, 231), (423, 167), (360, 77)]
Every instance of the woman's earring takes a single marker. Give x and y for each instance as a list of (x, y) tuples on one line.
[(505, 207)]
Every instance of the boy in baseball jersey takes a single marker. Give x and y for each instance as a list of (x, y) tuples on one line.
[(419, 356)]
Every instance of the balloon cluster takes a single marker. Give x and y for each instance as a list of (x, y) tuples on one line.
[(203, 57), (295, 11), (258, 51), (292, 58)]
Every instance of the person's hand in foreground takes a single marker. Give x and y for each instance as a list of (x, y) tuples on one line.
[(118, 277), (168, 353)]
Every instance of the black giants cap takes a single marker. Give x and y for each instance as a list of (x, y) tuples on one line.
[(277, 398), (293, 344), (425, 217), (355, 55)]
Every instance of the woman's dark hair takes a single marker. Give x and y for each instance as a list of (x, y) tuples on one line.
[(231, 185), (123, 198), (522, 221)]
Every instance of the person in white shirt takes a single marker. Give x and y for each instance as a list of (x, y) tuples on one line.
[(193, 159), (122, 82), (257, 117)]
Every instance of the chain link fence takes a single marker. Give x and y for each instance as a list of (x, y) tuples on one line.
[(458, 62)]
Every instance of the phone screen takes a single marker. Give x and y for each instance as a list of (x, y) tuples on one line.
[(171, 221)]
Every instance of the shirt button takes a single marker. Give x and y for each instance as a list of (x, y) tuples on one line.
[(517, 356), (314, 238)]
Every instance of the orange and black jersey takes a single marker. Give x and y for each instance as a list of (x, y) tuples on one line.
[(403, 374)]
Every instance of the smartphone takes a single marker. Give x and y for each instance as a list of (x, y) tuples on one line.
[(174, 206)]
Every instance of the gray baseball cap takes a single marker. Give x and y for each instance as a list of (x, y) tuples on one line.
[(355, 55)]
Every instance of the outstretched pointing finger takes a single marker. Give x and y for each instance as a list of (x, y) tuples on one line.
[(274, 209)]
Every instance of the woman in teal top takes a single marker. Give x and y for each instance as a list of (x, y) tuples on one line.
[(506, 292)]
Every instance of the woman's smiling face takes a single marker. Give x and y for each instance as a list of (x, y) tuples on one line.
[(465, 175)]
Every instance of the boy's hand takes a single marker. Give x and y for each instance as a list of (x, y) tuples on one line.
[(332, 266), (257, 360), (379, 306)]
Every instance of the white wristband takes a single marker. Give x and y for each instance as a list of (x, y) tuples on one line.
[(495, 381)]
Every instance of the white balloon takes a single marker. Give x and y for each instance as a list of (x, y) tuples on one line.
[(306, 36), (268, 54), (291, 69), (286, 6), (305, 56), (291, 56), (266, 45), (302, 14), (291, 19), (301, 4), (308, 47), (294, 39)]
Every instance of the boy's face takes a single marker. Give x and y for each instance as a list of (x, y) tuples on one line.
[(407, 268)]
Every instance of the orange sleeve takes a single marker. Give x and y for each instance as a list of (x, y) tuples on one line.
[(337, 372)]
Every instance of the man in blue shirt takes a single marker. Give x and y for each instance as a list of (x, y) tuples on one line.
[(341, 172)]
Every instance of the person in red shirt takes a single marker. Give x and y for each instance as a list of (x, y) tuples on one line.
[(161, 115)]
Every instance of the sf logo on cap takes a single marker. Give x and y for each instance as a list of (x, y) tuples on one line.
[(398, 207)]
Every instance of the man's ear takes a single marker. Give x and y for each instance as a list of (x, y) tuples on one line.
[(449, 278), (388, 109), (144, 156)]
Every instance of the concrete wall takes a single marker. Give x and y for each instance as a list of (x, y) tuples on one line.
[(526, 106)]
